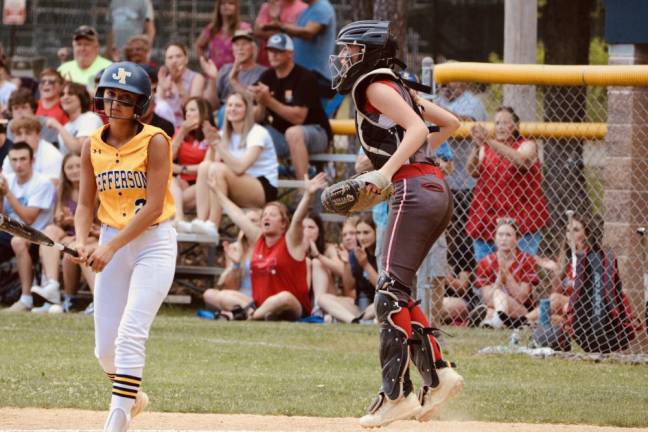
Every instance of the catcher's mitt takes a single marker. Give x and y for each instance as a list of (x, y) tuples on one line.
[(351, 195)]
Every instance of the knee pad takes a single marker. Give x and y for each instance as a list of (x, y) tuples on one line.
[(393, 317)]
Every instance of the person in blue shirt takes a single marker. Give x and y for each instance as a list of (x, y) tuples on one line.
[(314, 37)]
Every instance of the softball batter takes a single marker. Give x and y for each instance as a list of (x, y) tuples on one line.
[(127, 165), (391, 129)]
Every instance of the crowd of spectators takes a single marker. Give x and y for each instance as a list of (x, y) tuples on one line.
[(255, 100)]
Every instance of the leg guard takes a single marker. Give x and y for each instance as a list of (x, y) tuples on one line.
[(395, 329), (426, 355)]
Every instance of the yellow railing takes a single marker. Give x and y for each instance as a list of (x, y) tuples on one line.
[(580, 75), (527, 129)]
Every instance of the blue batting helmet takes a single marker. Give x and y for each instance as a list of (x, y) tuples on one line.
[(126, 76)]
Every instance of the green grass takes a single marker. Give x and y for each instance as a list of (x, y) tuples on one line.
[(296, 369)]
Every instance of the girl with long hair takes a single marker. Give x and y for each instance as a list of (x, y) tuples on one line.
[(62, 231), (359, 278), (216, 37), (245, 169), (391, 127), (176, 82), (189, 150)]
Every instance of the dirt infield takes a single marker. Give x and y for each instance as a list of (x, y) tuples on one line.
[(68, 419)]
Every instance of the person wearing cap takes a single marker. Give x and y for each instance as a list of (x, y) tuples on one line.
[(236, 76), (291, 109), (274, 12), (87, 61)]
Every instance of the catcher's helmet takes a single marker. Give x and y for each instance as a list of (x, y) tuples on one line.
[(375, 48), (128, 77)]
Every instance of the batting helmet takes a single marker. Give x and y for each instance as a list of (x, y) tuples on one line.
[(128, 77), (375, 49)]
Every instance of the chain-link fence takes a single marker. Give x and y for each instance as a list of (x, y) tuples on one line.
[(549, 215)]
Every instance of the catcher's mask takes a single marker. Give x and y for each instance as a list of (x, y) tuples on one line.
[(362, 47), (127, 77)]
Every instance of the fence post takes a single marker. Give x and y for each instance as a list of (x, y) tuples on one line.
[(625, 198)]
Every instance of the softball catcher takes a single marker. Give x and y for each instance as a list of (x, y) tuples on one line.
[(390, 122), (127, 166)]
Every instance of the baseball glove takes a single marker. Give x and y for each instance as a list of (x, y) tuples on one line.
[(351, 195)]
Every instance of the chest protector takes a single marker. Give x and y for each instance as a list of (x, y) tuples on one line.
[(379, 135)]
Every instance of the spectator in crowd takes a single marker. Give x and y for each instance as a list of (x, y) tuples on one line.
[(292, 111), (176, 82), (138, 50), (5, 144), (129, 18), (216, 37), (563, 270), (459, 100), (158, 113), (358, 280), (509, 184), (6, 86), (314, 36), (246, 169), (50, 87), (189, 149), (505, 279), (278, 264), (272, 15), (598, 315), (62, 231), (233, 77), (46, 158), (233, 292), (322, 260), (27, 197), (83, 122), (87, 61), (23, 104)]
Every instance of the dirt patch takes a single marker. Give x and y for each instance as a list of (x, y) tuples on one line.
[(66, 419)]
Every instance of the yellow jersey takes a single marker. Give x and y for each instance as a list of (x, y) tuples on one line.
[(120, 175)]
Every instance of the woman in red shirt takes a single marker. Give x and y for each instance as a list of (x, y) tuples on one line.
[(509, 184), (278, 263), (189, 150), (506, 279)]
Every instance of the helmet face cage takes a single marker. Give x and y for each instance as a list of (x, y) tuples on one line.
[(340, 64), (140, 105), (127, 77)]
